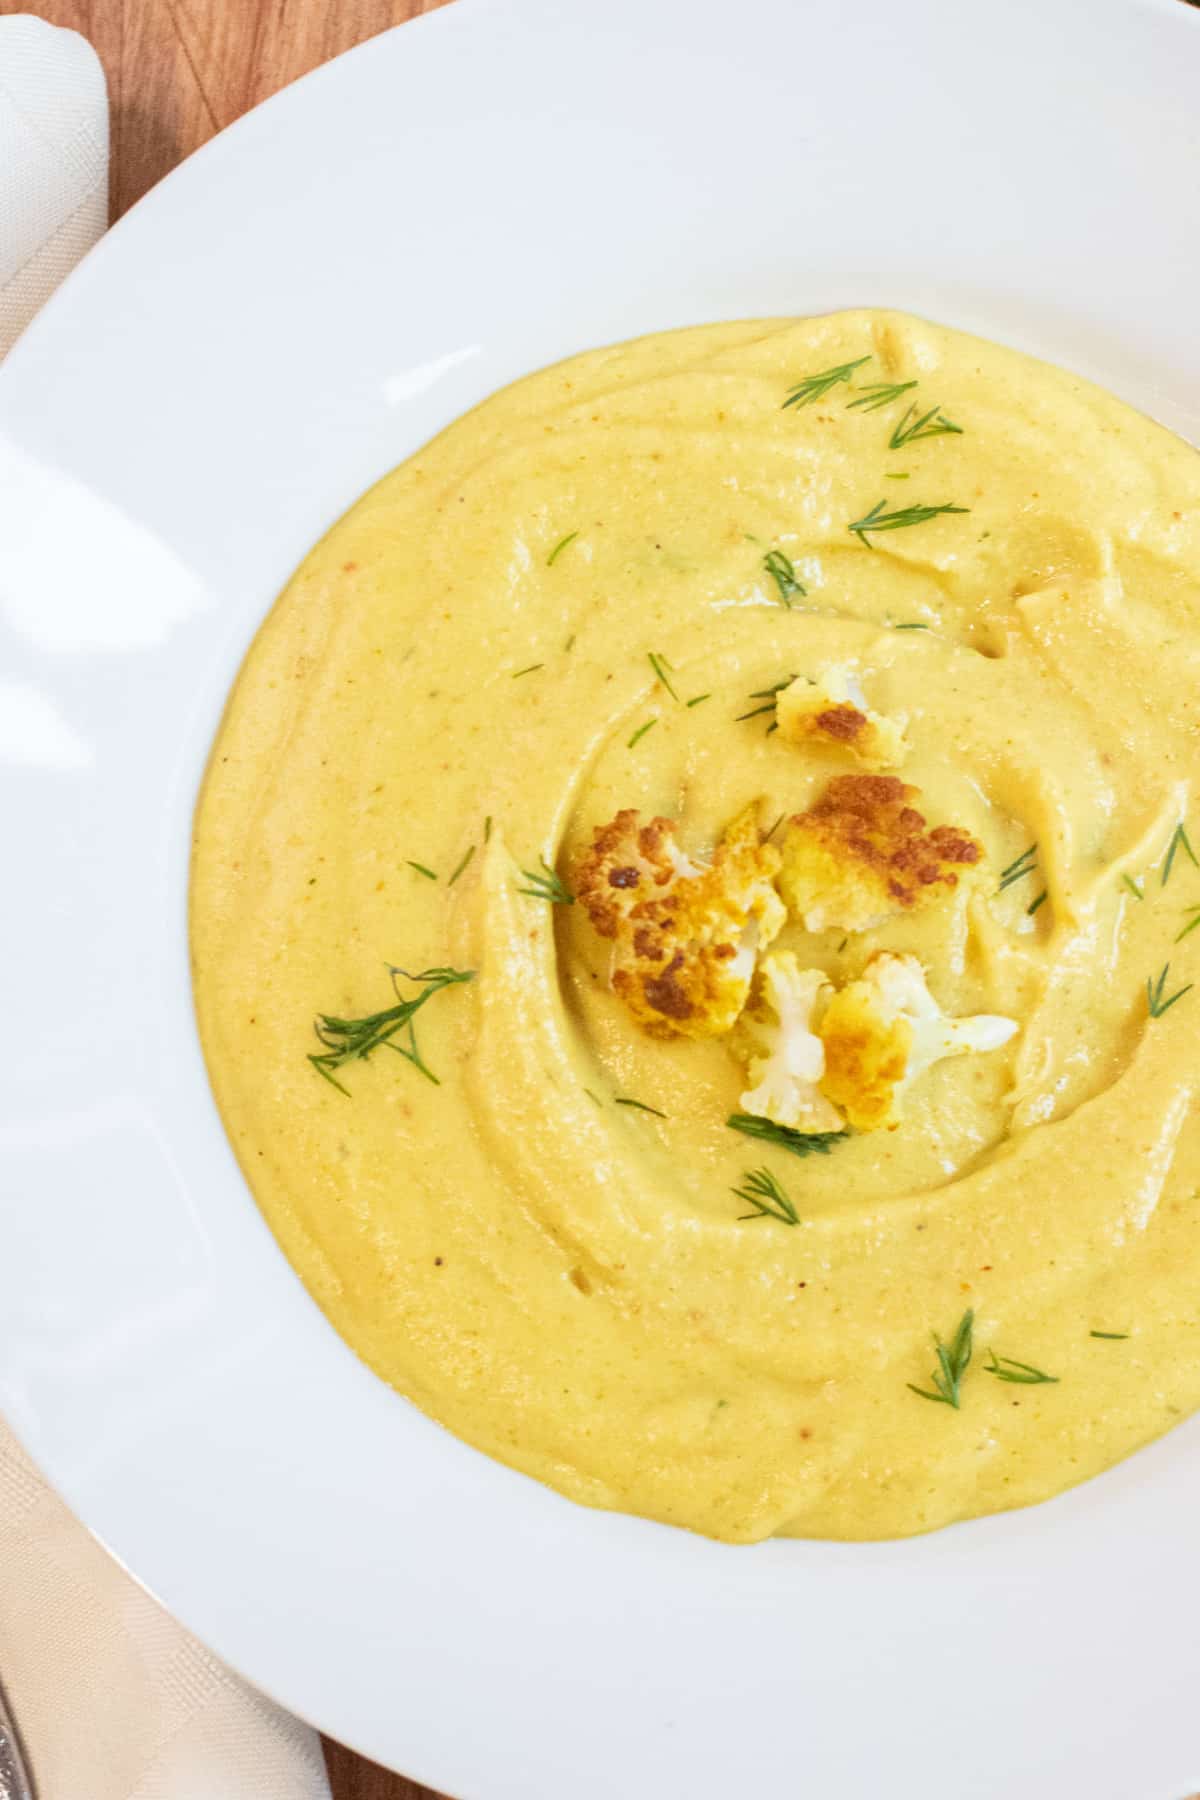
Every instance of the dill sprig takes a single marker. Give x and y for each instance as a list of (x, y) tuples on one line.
[(353, 1040), (641, 731), (765, 1198), (546, 884), (879, 519), (1156, 1004), (1192, 924), (1035, 904), (1007, 1368), (1017, 870), (1139, 893), (421, 869), (910, 430), (953, 1360), (767, 695), (461, 866), (880, 393), (696, 700), (912, 625), (560, 547), (800, 1143), (660, 665), (624, 1100), (815, 387), (1179, 841), (782, 570), (1117, 1337)]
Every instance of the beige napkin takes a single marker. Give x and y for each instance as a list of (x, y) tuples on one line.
[(53, 163), (113, 1700)]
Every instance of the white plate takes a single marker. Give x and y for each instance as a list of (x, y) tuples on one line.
[(286, 317)]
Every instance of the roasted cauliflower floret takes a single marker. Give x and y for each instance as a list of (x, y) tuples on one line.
[(687, 933), (884, 1030), (777, 1040), (862, 852), (832, 711)]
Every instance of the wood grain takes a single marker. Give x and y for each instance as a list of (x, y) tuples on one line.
[(353, 1779), (178, 71)]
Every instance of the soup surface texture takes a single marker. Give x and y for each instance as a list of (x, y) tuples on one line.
[(587, 596)]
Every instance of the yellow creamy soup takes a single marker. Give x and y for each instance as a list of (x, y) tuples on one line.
[(661, 696)]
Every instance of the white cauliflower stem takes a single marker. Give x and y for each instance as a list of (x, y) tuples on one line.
[(883, 1031), (686, 933), (785, 1059)]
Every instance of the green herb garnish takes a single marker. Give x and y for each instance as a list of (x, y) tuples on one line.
[(660, 665), (560, 547), (353, 1040), (1155, 1003), (623, 1100), (878, 519), (767, 694), (517, 673), (1117, 1337), (546, 884), (800, 1143), (487, 829), (696, 699), (1179, 841), (953, 1361), (1139, 893), (766, 1199), (462, 865), (1191, 926), (1017, 870), (782, 571), (882, 393), (1007, 1368), (641, 732), (1034, 904), (913, 625), (815, 387), (421, 870), (934, 423)]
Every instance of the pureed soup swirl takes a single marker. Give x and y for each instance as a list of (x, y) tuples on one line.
[(786, 723)]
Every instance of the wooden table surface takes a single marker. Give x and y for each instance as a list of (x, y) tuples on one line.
[(178, 71)]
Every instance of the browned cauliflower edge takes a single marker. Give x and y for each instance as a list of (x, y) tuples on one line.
[(863, 852), (832, 713), (881, 1032), (686, 933)]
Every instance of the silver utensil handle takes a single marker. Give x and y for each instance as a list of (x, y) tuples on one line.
[(14, 1780)]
